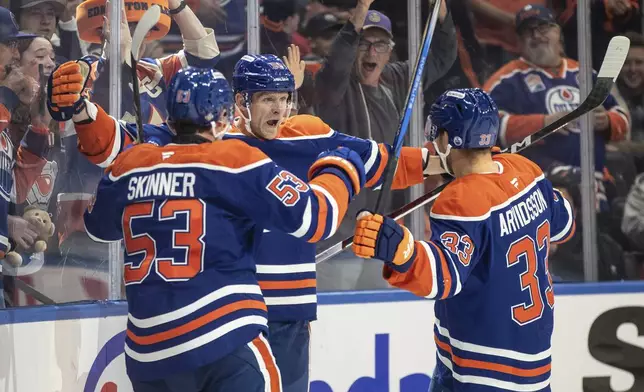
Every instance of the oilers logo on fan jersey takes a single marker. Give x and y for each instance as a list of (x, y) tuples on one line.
[(564, 99)]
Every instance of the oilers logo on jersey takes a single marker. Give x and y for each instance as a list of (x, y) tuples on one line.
[(564, 99)]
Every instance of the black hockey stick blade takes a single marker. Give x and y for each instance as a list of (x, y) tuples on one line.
[(610, 69)]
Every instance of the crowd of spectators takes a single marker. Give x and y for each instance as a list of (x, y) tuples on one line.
[(523, 52)]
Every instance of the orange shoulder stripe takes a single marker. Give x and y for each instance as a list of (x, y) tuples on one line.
[(303, 125), (503, 72), (228, 154)]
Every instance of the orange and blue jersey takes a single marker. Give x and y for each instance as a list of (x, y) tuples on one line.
[(78, 183), (526, 94), (19, 167), (285, 265), (486, 265), (188, 215)]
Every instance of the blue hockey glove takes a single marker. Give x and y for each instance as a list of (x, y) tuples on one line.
[(344, 163)]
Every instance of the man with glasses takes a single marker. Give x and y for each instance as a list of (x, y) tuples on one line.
[(542, 86), (361, 92)]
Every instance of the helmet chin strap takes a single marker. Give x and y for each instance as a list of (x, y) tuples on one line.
[(247, 119), (443, 156)]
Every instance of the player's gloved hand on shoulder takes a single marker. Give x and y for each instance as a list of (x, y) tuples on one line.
[(70, 85), (379, 237), (343, 163)]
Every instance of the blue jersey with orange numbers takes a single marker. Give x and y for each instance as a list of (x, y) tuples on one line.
[(188, 216), (486, 265), (285, 265)]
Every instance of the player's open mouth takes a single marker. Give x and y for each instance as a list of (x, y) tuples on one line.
[(272, 123), (369, 67)]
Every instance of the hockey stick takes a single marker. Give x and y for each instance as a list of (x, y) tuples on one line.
[(149, 19), (392, 162), (610, 68)]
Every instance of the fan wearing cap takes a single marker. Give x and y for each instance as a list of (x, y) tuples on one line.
[(540, 87), (360, 91), (321, 29)]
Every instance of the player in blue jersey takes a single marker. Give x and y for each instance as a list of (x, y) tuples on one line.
[(285, 265), (188, 214), (487, 261)]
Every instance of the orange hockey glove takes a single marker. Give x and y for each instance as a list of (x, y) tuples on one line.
[(382, 238), (69, 85)]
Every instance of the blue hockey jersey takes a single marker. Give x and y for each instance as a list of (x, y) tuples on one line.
[(487, 266), (525, 94), (188, 216), (285, 265)]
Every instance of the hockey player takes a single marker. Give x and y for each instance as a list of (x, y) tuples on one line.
[(187, 214), (285, 265), (487, 261)]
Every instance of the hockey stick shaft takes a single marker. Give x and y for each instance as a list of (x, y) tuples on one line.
[(613, 61), (149, 19), (392, 162)]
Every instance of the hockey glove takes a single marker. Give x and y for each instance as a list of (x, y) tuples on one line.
[(382, 238), (343, 163), (70, 85)]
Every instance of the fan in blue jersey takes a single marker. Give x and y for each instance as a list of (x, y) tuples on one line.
[(486, 263), (188, 213), (285, 265)]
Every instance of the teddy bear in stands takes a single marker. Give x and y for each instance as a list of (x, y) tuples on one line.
[(42, 221)]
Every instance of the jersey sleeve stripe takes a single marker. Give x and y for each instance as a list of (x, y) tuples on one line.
[(286, 284), (323, 211), (569, 224), (432, 269), (384, 157), (373, 155), (285, 268), (194, 306), (445, 274), (457, 275), (307, 218), (343, 164), (337, 197), (266, 364), (495, 367), (196, 323)]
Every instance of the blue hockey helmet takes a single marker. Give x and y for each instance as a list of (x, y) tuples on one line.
[(199, 96), (265, 72), (470, 117)]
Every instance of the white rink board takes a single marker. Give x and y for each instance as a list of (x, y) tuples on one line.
[(79, 347)]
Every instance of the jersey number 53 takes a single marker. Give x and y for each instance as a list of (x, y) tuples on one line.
[(189, 237)]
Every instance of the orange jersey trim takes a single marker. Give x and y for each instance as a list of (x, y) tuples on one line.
[(269, 361), (384, 157), (450, 202), (418, 279), (196, 323), (410, 168), (286, 284), (231, 153), (495, 367)]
